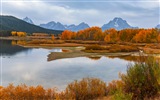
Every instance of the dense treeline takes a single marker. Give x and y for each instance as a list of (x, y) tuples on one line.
[(113, 36), (5, 33)]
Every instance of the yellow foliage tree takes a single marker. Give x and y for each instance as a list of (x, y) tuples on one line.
[(52, 37), (140, 37), (14, 33), (66, 35), (107, 38), (112, 34), (21, 34)]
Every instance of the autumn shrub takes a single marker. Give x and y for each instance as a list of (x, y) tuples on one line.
[(86, 89), (121, 95), (115, 89), (23, 92), (114, 86), (142, 79), (122, 48)]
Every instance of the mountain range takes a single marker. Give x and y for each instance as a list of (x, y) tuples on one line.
[(11, 23), (117, 23), (58, 26)]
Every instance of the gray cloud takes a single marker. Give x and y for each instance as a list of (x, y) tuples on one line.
[(96, 13)]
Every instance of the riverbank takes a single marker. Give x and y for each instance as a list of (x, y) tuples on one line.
[(90, 49), (15, 38), (73, 52)]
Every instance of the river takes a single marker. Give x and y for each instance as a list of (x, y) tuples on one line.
[(21, 65)]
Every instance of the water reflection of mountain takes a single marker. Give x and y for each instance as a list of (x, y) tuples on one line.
[(6, 48)]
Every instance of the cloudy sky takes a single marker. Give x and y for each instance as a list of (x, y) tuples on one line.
[(141, 13)]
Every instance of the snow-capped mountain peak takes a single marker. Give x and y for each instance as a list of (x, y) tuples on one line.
[(28, 20), (117, 23)]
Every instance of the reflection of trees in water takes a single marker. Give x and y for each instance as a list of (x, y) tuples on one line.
[(130, 58), (94, 58), (9, 47)]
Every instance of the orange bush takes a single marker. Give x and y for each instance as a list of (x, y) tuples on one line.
[(23, 92), (86, 89)]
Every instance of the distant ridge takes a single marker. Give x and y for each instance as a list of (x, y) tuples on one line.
[(58, 26), (11, 23)]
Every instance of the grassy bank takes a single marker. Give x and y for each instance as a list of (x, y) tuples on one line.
[(90, 45), (97, 46)]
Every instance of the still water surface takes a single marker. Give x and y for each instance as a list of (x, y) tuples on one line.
[(30, 66)]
